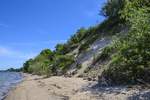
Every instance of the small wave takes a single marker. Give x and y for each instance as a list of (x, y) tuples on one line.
[(7, 81)]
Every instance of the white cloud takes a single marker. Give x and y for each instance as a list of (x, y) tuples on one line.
[(4, 51), (13, 58), (10, 53)]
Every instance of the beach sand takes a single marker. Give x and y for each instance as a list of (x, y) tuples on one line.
[(60, 88), (55, 88)]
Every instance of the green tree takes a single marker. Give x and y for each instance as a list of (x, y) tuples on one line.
[(112, 8), (26, 65), (132, 60)]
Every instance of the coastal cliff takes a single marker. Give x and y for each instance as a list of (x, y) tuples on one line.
[(115, 54)]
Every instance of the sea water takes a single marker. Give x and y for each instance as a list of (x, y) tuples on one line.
[(7, 81)]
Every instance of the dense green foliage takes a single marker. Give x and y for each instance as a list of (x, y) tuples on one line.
[(48, 62), (58, 61), (128, 57), (62, 63), (40, 64), (105, 54), (131, 62), (112, 8)]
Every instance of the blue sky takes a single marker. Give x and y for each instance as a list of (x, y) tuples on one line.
[(28, 26)]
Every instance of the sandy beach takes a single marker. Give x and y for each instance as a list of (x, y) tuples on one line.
[(60, 88), (55, 88)]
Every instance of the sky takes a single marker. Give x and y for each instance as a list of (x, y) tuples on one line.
[(29, 26)]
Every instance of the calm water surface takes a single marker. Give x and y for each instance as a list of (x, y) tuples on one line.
[(7, 81)]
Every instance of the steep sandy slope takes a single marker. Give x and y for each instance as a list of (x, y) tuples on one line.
[(85, 59)]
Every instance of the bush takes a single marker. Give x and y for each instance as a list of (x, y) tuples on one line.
[(105, 54), (40, 64), (132, 60), (63, 62)]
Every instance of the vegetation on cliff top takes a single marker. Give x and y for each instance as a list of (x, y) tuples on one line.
[(131, 61), (129, 54), (59, 61)]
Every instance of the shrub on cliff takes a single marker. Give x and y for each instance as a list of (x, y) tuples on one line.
[(131, 63)]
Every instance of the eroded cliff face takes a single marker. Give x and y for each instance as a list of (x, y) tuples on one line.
[(83, 66)]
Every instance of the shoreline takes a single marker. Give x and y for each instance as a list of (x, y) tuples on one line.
[(35, 87), (47, 88), (11, 88)]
